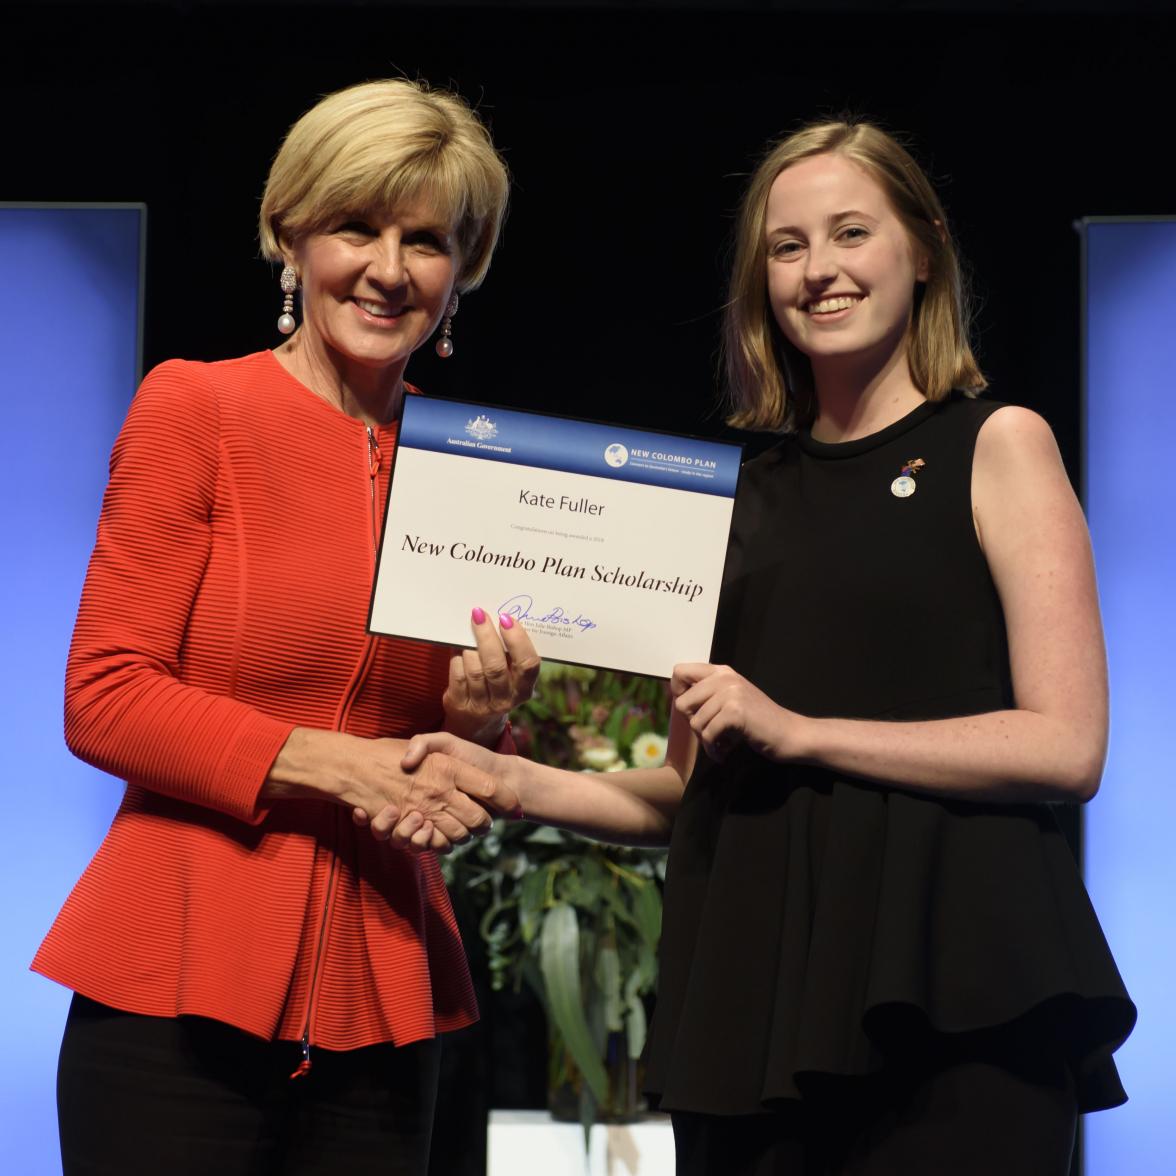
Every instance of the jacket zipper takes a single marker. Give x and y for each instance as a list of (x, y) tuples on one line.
[(374, 457)]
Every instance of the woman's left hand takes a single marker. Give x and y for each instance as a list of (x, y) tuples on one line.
[(486, 683), (724, 709)]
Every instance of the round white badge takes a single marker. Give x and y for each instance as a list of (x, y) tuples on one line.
[(902, 487)]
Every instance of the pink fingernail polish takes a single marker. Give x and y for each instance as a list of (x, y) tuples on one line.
[(478, 615), (505, 621)]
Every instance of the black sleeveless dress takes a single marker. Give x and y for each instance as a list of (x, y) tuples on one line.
[(816, 924)]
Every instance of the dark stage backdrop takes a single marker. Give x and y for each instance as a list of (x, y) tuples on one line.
[(629, 130), (628, 133)]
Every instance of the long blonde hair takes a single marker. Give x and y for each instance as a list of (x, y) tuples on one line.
[(374, 145), (769, 381)]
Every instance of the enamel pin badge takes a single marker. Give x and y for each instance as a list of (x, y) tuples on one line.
[(904, 485)]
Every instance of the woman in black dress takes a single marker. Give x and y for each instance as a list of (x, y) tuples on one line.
[(878, 956)]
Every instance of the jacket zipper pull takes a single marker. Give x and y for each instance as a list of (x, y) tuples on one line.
[(304, 1065), (374, 455)]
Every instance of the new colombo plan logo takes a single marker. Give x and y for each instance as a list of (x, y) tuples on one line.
[(481, 427), (616, 455)]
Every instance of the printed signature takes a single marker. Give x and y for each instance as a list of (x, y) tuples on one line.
[(522, 608)]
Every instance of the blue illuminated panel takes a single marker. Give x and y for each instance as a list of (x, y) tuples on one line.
[(1130, 827), (69, 320)]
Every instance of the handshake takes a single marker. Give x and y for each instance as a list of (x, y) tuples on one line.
[(441, 792), (434, 791), (446, 790)]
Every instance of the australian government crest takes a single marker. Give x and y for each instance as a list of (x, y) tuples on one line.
[(482, 428)]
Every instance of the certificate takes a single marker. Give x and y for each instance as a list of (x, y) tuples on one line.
[(607, 543)]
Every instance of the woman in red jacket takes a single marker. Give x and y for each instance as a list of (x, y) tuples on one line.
[(237, 928)]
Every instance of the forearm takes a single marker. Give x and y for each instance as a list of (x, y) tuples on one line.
[(325, 765), (142, 724), (628, 808), (312, 765), (1008, 755)]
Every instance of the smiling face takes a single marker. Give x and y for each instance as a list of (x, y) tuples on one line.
[(374, 287), (840, 264)]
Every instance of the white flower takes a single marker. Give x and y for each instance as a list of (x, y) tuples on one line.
[(648, 750), (600, 755)]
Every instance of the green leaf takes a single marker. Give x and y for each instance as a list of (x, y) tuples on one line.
[(493, 930), (635, 1026), (530, 974), (647, 909), (585, 884), (612, 726), (636, 723), (646, 968), (608, 976), (620, 907), (559, 961), (588, 1106), (592, 1003), (532, 896)]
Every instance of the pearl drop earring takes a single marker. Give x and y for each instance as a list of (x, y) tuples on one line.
[(444, 345), (289, 283)]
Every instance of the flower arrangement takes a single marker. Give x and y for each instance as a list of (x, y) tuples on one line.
[(575, 919)]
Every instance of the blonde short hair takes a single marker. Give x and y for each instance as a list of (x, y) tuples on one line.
[(372, 146), (769, 381)]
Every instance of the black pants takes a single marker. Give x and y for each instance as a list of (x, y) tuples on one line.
[(193, 1097), (966, 1118)]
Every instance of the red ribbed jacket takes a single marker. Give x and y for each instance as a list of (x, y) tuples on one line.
[(226, 603)]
